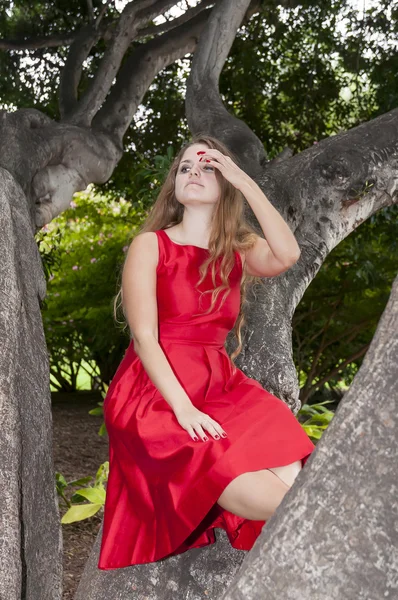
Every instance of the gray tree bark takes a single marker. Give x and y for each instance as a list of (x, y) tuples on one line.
[(31, 544), (335, 534), (194, 575)]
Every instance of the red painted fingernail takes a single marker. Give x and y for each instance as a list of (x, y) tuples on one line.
[(201, 152), (224, 435), (206, 160), (217, 437), (200, 159), (196, 439)]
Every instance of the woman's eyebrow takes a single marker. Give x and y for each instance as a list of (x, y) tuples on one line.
[(186, 160)]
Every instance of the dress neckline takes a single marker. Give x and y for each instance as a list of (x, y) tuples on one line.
[(178, 244)]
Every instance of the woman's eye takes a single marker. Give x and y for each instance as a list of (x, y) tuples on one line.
[(182, 170)]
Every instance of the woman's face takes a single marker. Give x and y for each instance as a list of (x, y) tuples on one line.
[(196, 181)]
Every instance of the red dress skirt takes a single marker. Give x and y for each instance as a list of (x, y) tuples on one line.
[(163, 487)]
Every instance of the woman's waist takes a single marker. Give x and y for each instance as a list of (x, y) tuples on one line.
[(201, 333)]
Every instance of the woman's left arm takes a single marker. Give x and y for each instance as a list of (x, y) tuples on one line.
[(280, 250)]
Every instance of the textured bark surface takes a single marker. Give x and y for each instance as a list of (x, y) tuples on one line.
[(30, 547), (197, 574), (324, 199), (335, 534)]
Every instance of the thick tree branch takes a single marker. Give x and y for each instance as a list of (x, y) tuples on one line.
[(139, 71), (204, 108), (169, 25), (343, 181), (52, 161), (87, 37), (54, 41), (134, 16), (324, 193), (102, 12), (90, 10), (216, 42)]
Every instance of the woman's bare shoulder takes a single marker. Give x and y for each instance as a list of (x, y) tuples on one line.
[(145, 244), (145, 238)]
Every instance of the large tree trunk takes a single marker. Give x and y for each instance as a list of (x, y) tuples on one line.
[(31, 547), (42, 163), (335, 534)]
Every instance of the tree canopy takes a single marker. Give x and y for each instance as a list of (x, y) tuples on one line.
[(297, 72)]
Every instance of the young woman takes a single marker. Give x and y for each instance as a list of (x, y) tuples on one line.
[(194, 443)]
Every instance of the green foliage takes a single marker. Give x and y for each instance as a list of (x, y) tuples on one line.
[(317, 419), (89, 240), (78, 509), (339, 312), (99, 411), (83, 254), (294, 75), (151, 176)]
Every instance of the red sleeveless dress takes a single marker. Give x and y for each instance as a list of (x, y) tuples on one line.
[(163, 487)]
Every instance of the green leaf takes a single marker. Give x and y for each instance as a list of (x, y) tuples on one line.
[(102, 473), (79, 513), (102, 430), (81, 481), (313, 432), (94, 495), (96, 412), (60, 481)]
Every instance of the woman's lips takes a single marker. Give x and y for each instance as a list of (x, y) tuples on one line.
[(194, 183)]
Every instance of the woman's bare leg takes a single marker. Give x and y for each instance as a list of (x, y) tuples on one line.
[(257, 494), (288, 473)]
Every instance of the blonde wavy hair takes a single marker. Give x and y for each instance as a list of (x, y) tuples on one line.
[(229, 232)]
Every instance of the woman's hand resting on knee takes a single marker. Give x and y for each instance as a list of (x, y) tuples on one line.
[(193, 420)]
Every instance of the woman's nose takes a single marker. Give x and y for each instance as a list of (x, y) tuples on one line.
[(195, 168)]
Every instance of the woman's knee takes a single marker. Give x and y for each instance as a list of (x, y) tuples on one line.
[(288, 473), (253, 495)]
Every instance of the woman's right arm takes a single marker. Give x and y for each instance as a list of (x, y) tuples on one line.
[(140, 306)]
